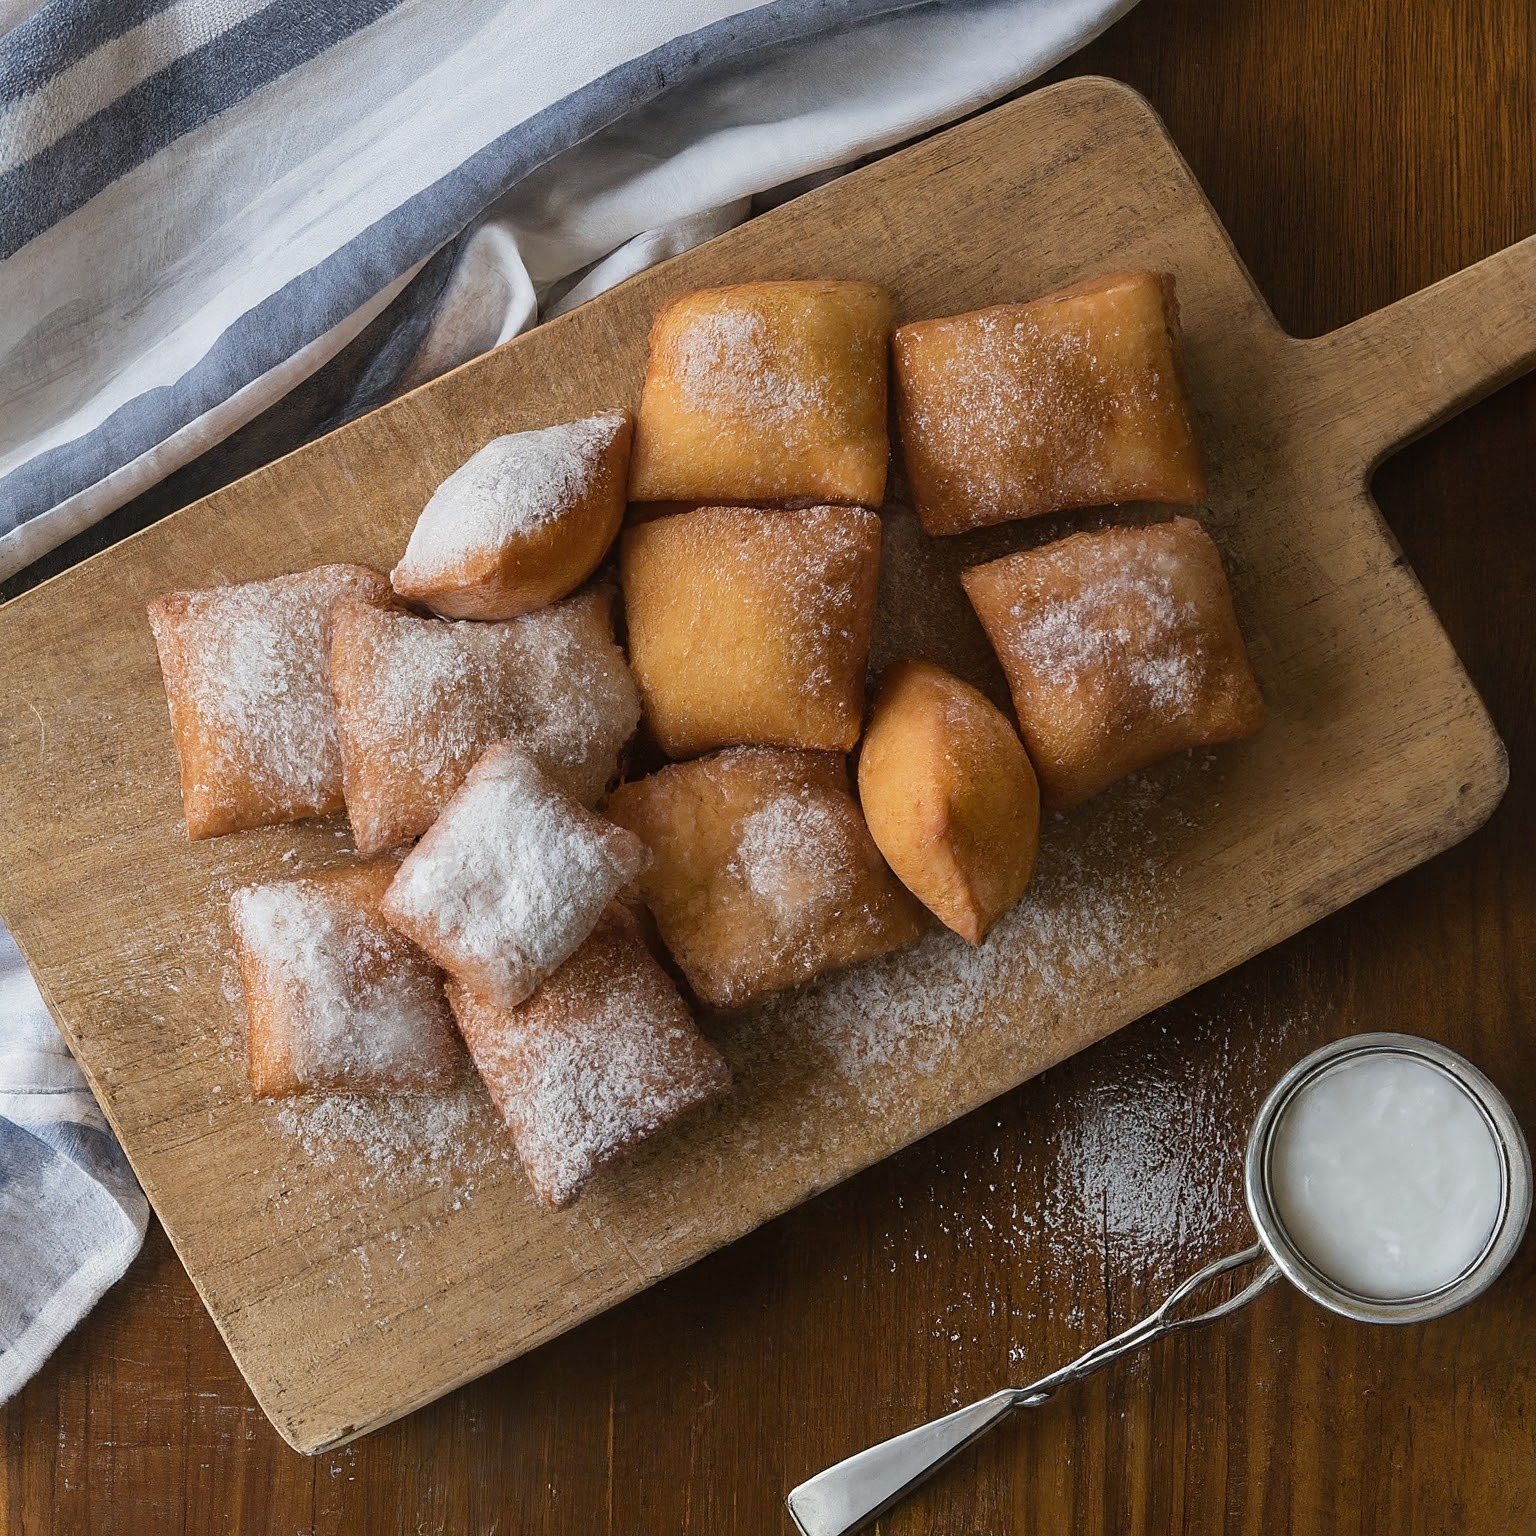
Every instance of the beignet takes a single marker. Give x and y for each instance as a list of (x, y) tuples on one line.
[(336, 1000), (420, 699), (1120, 647), (245, 676), (524, 522), (604, 1054), (766, 391), (1074, 400), (510, 878), (949, 796), (751, 626), (764, 874)]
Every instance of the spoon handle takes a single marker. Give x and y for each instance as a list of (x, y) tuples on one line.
[(846, 1497)]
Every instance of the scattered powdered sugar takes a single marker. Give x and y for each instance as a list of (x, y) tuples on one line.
[(358, 1006), (511, 878), (253, 674), (795, 853), (913, 1011), (1122, 614), (511, 487), (426, 1140), (1090, 919)]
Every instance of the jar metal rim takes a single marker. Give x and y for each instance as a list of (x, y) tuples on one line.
[(1514, 1202)]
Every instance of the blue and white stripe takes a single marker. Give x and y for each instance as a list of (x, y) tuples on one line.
[(203, 200), (72, 1215)]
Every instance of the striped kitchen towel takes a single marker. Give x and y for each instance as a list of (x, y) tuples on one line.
[(71, 1215), (203, 200)]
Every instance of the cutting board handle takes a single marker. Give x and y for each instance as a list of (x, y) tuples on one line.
[(1395, 374)]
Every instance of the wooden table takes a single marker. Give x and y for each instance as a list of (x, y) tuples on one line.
[(1356, 152)]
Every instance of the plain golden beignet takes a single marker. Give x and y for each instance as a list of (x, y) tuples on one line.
[(763, 874), (1120, 648), (510, 878), (336, 1000), (420, 699), (949, 796), (1074, 400), (752, 627), (764, 392), (524, 522), (603, 1055), (245, 670)]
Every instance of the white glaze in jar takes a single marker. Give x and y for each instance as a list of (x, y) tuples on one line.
[(1386, 1176)]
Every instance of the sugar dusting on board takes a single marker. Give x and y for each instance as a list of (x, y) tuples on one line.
[(395, 1144), (1088, 919)]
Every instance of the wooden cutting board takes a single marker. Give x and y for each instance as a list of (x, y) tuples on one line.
[(361, 1262)]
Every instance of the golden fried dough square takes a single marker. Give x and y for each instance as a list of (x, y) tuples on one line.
[(1120, 648), (764, 392), (510, 878), (764, 874), (752, 627), (949, 796), (603, 1055), (524, 522), (1075, 400), (336, 1000), (420, 699), (245, 671)]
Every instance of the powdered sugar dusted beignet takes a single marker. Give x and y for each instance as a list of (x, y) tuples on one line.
[(245, 677), (949, 796), (1120, 647), (764, 874), (336, 1000), (750, 626), (524, 522), (420, 699), (604, 1054), (1074, 400), (510, 878), (766, 392)]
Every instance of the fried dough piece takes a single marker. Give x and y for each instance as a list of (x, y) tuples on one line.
[(763, 392), (764, 874), (523, 523), (1074, 400), (336, 1000), (510, 878), (420, 699), (245, 670), (752, 627), (949, 796), (603, 1055), (1120, 647)]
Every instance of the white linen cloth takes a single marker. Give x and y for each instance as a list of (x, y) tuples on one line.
[(71, 1215), (202, 201)]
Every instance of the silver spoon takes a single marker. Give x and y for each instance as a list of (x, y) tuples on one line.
[(846, 1497)]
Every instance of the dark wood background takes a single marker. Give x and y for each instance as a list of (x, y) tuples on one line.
[(1356, 151)]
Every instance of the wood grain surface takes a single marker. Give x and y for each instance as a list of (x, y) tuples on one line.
[(1355, 159), (360, 1263)]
